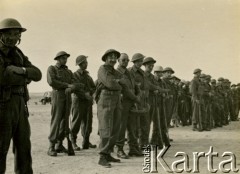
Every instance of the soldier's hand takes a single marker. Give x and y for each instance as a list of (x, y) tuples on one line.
[(197, 101), (71, 86), (68, 90), (88, 96), (15, 69), (155, 92)]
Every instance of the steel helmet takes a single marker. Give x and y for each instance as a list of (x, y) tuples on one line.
[(148, 60), (137, 56), (61, 53), (80, 59), (108, 52), (11, 23), (158, 69)]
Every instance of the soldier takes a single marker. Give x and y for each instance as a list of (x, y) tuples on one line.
[(140, 79), (108, 106), (16, 71), (163, 119), (82, 105), (128, 119), (235, 103), (169, 99), (221, 94), (208, 103), (194, 90), (60, 78), (215, 104), (154, 111)]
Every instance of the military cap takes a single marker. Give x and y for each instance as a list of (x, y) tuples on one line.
[(213, 81), (10, 23), (80, 59), (168, 69), (208, 76), (108, 52), (137, 56), (148, 60), (220, 79), (158, 69), (61, 53), (196, 71)]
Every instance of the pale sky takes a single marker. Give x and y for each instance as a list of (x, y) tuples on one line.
[(182, 34)]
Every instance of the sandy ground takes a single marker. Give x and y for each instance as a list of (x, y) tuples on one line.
[(85, 161)]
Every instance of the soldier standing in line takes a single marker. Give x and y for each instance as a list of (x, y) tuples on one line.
[(60, 78), (139, 77), (128, 119), (154, 112), (169, 100), (16, 71), (160, 97), (194, 90), (82, 105), (208, 103), (221, 95), (108, 106), (226, 97), (215, 104)]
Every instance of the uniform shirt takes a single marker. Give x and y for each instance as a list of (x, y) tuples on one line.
[(107, 76), (83, 77), (194, 88), (59, 76), (168, 85), (139, 77), (152, 83), (14, 56), (129, 87)]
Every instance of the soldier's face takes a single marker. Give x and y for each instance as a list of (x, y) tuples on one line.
[(123, 61), (149, 67), (138, 63), (84, 65), (10, 37), (158, 73), (62, 60), (167, 74), (111, 59)]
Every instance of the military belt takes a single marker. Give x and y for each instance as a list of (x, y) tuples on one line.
[(17, 91)]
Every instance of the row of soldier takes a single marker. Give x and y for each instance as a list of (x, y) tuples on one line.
[(129, 100)]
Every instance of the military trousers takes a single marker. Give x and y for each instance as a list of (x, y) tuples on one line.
[(127, 123), (57, 126), (81, 118), (14, 125), (197, 114), (109, 116)]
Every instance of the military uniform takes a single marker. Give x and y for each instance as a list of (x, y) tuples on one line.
[(58, 77), (14, 122), (108, 109), (82, 107), (194, 90), (139, 77), (128, 119)]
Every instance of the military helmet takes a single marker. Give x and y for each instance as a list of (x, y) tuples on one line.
[(238, 84), (208, 77), (11, 23), (168, 69), (80, 59), (108, 52), (220, 79), (123, 55), (158, 69), (196, 71), (61, 53), (213, 81), (137, 56), (233, 85), (148, 60)]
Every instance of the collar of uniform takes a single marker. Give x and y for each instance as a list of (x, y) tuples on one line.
[(134, 68), (82, 71), (5, 50), (58, 65), (121, 69), (147, 73), (109, 67)]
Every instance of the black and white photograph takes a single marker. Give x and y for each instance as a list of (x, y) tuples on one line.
[(127, 86)]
